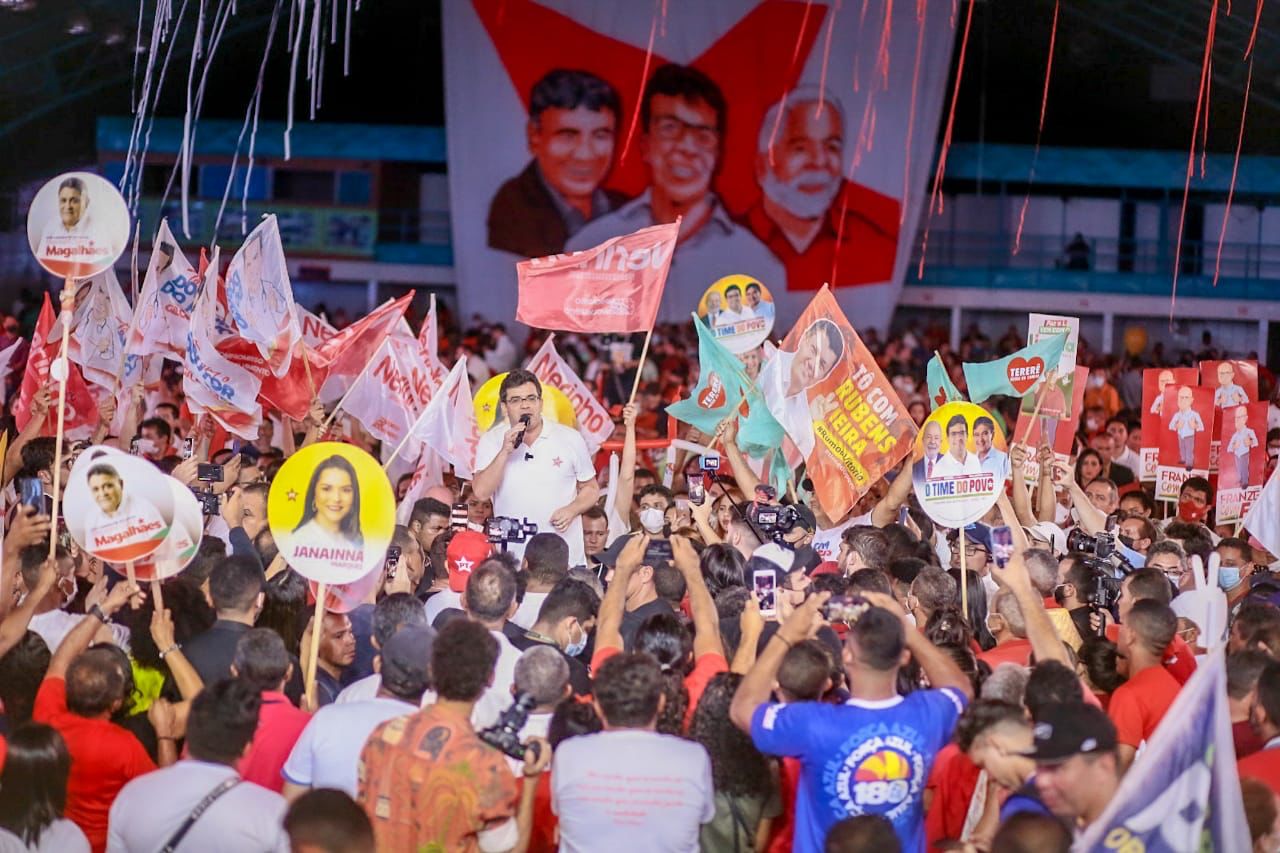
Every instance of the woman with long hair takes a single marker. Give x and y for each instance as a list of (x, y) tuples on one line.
[(331, 509), (1089, 466), (746, 791), (33, 793), (665, 637)]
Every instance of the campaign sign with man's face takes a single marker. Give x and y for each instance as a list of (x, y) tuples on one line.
[(960, 464), (1185, 432), (1242, 459), (332, 512), (118, 507), (1154, 382), (739, 311), (77, 225)]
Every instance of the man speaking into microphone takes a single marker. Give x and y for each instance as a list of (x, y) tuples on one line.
[(536, 470)]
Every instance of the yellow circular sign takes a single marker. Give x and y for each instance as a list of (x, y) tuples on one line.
[(739, 311), (332, 512), (960, 464), (555, 405)]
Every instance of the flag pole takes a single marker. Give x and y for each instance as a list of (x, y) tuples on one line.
[(67, 305), (408, 434), (1051, 376), (644, 352), (313, 653), (964, 581)]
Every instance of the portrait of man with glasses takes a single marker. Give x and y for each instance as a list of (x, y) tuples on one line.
[(681, 140)]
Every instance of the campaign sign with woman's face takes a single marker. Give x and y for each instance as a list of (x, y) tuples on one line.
[(739, 311), (118, 507), (332, 512), (960, 464), (77, 225)]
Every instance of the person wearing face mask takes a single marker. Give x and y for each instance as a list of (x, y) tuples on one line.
[(1137, 532), (50, 620), (1101, 394), (1235, 567), (565, 622), (1195, 500)]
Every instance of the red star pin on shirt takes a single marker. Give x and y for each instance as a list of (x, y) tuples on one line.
[(556, 462)]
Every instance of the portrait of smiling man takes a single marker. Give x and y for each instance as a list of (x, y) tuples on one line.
[(571, 133), (681, 140)]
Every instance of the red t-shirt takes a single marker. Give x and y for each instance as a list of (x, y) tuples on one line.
[(704, 669), (953, 780), (1246, 740), (1138, 705), (279, 725), (1263, 765), (783, 828), (1179, 660), (1015, 651), (104, 757)]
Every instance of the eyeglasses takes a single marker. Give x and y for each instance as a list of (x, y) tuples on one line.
[(672, 129), (519, 401), (970, 549)]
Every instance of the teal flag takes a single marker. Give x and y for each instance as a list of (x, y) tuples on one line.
[(941, 389), (722, 383), (1014, 375)]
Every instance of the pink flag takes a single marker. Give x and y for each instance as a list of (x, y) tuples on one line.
[(594, 422), (163, 309), (315, 329), (448, 424), (429, 344), (388, 397), (615, 287), (259, 296)]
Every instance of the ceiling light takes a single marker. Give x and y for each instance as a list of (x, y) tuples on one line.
[(78, 24)]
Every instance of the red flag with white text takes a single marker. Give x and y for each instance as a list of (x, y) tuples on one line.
[(81, 411), (594, 421), (615, 287)]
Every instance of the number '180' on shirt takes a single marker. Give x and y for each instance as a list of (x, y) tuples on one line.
[(862, 757)]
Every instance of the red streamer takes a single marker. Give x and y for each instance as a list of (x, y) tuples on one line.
[(934, 196), (644, 76), (921, 7), (795, 56), (1035, 155), (1191, 159), (826, 56), (1235, 167)]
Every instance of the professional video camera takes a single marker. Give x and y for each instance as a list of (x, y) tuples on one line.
[(503, 531), (1109, 567), (505, 734), (776, 522)]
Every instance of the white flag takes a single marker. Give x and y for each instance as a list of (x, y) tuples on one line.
[(315, 329), (429, 343), (99, 332), (1263, 520), (388, 397), (260, 296), (163, 311), (594, 422), (448, 423)]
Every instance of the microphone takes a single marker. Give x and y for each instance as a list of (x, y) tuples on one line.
[(524, 425)]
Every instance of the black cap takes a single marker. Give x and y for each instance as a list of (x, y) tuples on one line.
[(406, 660), (807, 519), (1072, 728)]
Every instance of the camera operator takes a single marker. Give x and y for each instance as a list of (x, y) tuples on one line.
[(542, 675), (537, 470), (1077, 592), (1137, 532)]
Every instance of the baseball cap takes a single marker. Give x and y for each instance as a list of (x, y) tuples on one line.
[(807, 519), (406, 659), (781, 557), (467, 550), (977, 533), (1071, 728), (1048, 532)]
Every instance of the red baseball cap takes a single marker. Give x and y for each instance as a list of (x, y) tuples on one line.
[(467, 550)]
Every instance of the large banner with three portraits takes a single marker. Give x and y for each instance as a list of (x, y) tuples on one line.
[(795, 139)]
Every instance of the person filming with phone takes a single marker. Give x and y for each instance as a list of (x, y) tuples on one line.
[(537, 470)]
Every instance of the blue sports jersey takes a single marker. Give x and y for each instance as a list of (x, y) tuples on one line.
[(860, 758)]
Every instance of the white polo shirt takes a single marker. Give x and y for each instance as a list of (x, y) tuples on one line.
[(151, 808), (540, 479), (328, 749)]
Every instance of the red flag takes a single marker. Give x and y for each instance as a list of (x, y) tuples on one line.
[(81, 412), (345, 354), (615, 287)]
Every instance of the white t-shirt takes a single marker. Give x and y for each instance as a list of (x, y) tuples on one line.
[(827, 542), (949, 466), (54, 626), (527, 613), (151, 808), (540, 479), (630, 789), (61, 836), (327, 751), (440, 602), (537, 725), (498, 697)]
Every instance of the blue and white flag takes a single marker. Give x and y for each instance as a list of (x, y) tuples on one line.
[(1182, 793)]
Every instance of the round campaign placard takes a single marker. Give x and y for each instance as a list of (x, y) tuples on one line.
[(739, 311), (332, 512), (77, 225), (118, 507), (183, 542), (961, 464), (555, 405)]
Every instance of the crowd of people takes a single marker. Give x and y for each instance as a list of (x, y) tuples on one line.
[(657, 667)]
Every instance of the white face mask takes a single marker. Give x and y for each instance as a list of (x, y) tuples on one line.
[(652, 519)]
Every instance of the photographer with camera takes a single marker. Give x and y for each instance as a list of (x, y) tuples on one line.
[(537, 470), (541, 682), (427, 780)]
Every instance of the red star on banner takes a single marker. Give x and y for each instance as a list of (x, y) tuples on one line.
[(291, 495), (752, 64)]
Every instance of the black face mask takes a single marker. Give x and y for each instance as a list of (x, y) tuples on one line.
[(1125, 540)]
